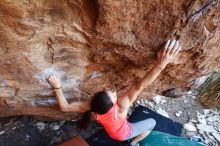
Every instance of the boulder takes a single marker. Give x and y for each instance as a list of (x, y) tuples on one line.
[(93, 45)]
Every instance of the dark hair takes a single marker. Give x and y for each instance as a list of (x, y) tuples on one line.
[(100, 104)]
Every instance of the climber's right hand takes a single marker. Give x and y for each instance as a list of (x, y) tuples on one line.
[(168, 53)]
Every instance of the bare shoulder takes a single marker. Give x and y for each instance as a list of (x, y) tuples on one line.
[(86, 105), (122, 107), (123, 102)]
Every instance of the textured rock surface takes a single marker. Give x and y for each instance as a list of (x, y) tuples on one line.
[(94, 45), (209, 91)]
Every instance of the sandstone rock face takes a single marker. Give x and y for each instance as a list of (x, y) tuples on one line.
[(94, 45)]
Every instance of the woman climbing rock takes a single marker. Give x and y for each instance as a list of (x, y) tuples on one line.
[(111, 110)]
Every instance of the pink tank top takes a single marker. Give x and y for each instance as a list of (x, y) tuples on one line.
[(118, 129)]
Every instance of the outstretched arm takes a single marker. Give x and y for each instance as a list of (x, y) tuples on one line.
[(164, 56), (78, 106)]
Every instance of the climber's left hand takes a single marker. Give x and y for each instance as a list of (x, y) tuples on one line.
[(54, 81)]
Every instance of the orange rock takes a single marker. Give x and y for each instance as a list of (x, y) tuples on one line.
[(94, 45)]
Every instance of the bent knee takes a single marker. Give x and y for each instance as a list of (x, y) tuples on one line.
[(152, 122)]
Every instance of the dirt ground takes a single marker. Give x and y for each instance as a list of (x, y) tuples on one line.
[(26, 131)]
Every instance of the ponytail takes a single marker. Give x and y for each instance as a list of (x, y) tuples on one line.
[(84, 121)]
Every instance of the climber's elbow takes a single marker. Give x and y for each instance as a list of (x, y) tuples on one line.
[(65, 109)]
